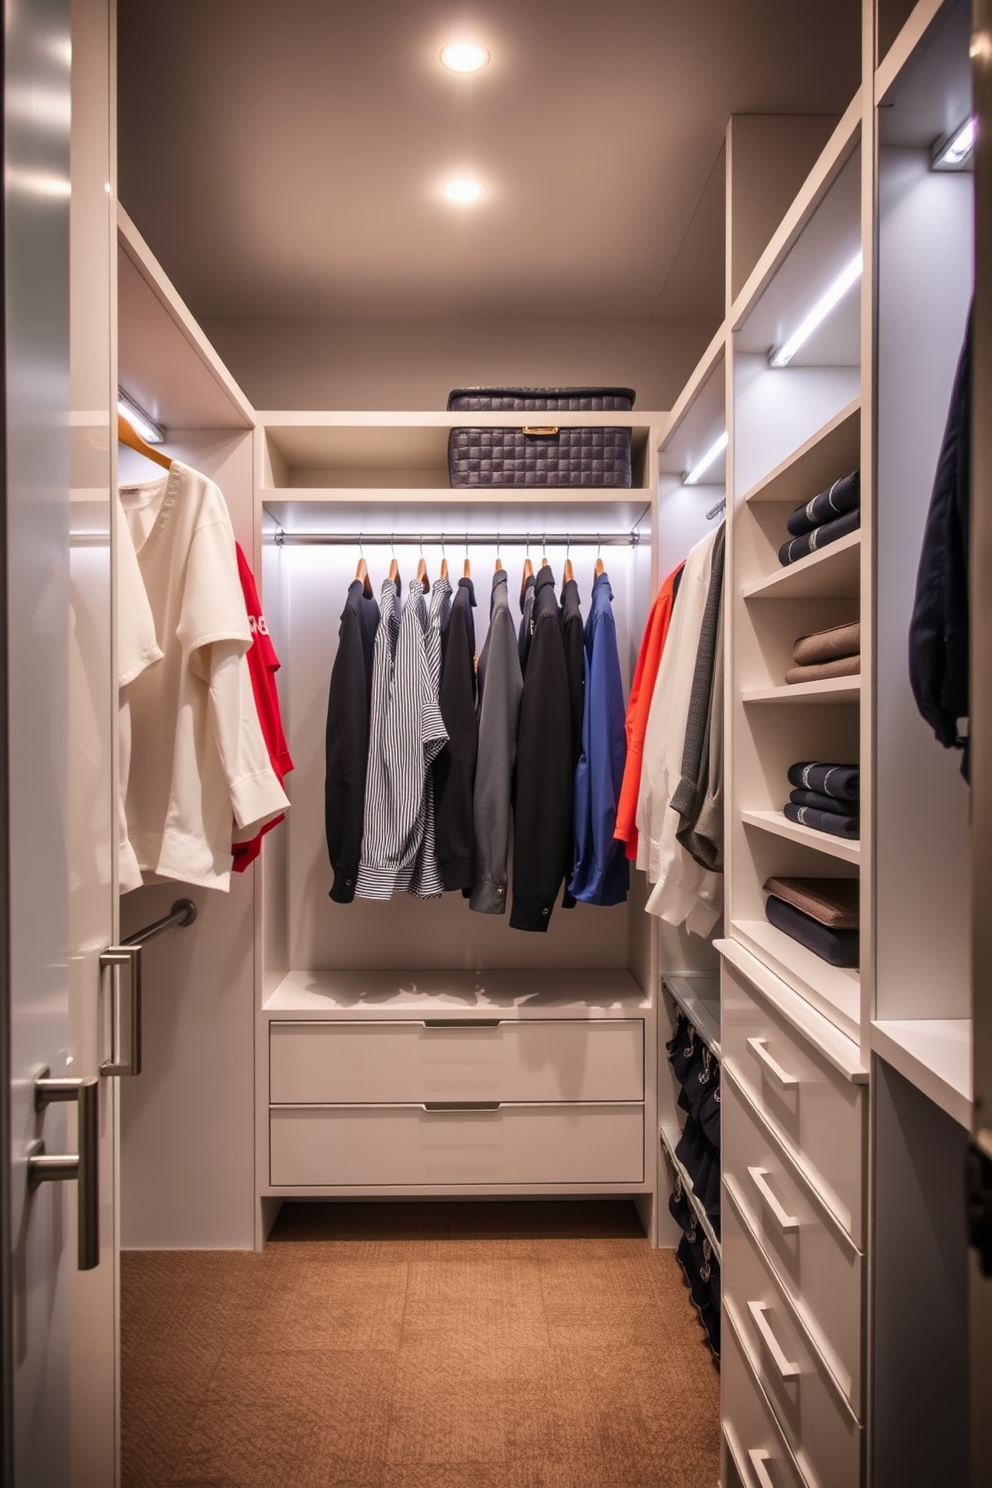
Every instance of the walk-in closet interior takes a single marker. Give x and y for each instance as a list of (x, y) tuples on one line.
[(755, 1071)]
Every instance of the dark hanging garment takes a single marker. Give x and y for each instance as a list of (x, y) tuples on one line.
[(346, 743), (454, 768), (542, 821), (938, 631), (500, 685), (572, 636), (526, 621)]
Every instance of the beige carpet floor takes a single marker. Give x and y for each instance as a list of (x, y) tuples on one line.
[(490, 1345)]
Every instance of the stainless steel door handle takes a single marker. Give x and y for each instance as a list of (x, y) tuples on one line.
[(115, 960), (83, 1166)]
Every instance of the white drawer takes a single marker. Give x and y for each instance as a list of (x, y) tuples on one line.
[(815, 1419), (815, 1260), (819, 1113), (753, 1440), (446, 1059), (407, 1146)]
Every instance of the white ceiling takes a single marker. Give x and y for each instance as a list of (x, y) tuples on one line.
[(284, 160)]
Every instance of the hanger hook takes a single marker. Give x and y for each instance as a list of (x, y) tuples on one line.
[(361, 548), (568, 544), (497, 545), (599, 545)]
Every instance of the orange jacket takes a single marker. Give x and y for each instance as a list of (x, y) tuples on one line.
[(639, 706)]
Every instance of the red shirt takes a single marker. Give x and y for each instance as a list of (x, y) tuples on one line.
[(263, 663), (638, 708)]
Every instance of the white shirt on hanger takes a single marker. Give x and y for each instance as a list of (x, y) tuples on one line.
[(198, 756)]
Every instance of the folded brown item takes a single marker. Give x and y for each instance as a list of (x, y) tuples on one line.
[(830, 901), (828, 645), (845, 666)]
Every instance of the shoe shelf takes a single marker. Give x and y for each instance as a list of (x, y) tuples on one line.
[(669, 1139), (699, 999)]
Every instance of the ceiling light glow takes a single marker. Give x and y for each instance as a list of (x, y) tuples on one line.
[(463, 189), (150, 431), (464, 56), (697, 472), (954, 153), (781, 356)]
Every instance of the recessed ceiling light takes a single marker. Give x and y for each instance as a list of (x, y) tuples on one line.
[(463, 189), (464, 56)]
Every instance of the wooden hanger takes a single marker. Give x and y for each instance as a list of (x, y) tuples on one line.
[(466, 569), (394, 575), (600, 567), (133, 440), (422, 578), (444, 568), (362, 572), (528, 573), (499, 564), (568, 571)]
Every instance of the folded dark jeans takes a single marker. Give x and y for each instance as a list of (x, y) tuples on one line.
[(838, 947), (843, 782), (823, 821), (843, 496), (820, 802), (820, 537)]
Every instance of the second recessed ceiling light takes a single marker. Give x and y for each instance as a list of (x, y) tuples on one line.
[(463, 189), (464, 56)]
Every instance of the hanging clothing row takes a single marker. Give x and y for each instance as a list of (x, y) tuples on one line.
[(428, 757), (202, 751), (671, 800)]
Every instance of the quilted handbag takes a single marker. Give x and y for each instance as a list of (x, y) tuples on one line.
[(540, 453)]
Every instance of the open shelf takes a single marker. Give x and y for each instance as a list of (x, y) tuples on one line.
[(934, 1054), (780, 826), (699, 999), (830, 690), (669, 1139), (834, 990), (832, 573), (832, 452), (467, 994)]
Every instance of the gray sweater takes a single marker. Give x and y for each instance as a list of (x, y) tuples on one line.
[(500, 684)]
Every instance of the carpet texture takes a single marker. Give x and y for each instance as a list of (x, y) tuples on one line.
[(489, 1345)]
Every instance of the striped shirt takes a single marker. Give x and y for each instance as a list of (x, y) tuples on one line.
[(406, 732)]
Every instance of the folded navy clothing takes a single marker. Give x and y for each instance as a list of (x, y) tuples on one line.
[(820, 802), (709, 1114), (684, 1048), (838, 947), (823, 821), (843, 496), (820, 537), (843, 782)]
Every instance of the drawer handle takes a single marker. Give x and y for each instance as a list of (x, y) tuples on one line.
[(455, 1106), (778, 1074), (757, 1457), (462, 1022), (787, 1223), (786, 1370)]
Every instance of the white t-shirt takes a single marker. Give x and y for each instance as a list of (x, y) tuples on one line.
[(197, 752), (137, 649)]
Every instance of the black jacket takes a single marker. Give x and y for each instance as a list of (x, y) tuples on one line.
[(346, 742), (573, 641), (938, 632), (454, 768), (542, 820)]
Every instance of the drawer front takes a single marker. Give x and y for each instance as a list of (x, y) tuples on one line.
[(814, 1418), (355, 1146), (385, 1063), (819, 1266), (753, 1440), (819, 1113)]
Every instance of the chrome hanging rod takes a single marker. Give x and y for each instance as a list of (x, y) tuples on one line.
[(183, 912), (536, 538)]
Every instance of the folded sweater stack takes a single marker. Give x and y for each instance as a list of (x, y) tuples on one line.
[(829, 516), (822, 914), (827, 653), (825, 797)]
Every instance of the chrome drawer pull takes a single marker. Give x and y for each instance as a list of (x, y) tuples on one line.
[(786, 1370), (462, 1022), (787, 1223), (757, 1457), (453, 1107), (778, 1074)]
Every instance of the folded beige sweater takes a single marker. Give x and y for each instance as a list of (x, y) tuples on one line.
[(845, 666), (831, 901), (828, 645)]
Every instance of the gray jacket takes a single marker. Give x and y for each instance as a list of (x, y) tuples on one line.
[(500, 685)]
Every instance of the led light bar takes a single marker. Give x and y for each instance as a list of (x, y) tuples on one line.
[(781, 356), (954, 151), (150, 431), (695, 475)]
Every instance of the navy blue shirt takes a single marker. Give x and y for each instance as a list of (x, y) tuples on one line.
[(601, 874)]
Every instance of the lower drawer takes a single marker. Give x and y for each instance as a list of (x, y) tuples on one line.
[(408, 1146), (753, 1441), (814, 1417)]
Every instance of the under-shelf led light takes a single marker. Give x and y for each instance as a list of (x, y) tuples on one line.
[(150, 431), (695, 475), (464, 56), (955, 150), (782, 355), (464, 190)]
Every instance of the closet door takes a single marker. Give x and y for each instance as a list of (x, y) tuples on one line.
[(56, 795), (981, 750)]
